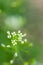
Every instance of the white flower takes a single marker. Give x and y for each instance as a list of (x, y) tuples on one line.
[(8, 32), (15, 44), (2, 45), (19, 38), (22, 42), (20, 35), (13, 33), (19, 31), (24, 35), (25, 40), (9, 36), (8, 46), (11, 61), (13, 41), (16, 54)]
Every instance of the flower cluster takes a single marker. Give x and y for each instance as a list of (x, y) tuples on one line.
[(15, 38)]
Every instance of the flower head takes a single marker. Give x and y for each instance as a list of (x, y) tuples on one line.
[(16, 40), (11, 61), (16, 37), (16, 54), (2, 45)]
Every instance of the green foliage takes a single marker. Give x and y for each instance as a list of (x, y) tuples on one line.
[(16, 50), (12, 6)]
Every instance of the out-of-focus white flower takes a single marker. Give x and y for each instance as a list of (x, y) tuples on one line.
[(8, 32), (19, 38), (25, 40), (15, 22), (19, 31), (13, 33), (8, 46), (15, 44), (11, 61), (3, 45), (9, 36), (16, 54), (20, 35), (24, 35), (22, 42), (13, 41)]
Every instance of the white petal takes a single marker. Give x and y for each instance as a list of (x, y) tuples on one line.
[(9, 36), (22, 42), (11, 61), (13, 33), (16, 54), (8, 32), (15, 44), (8, 46), (24, 35), (19, 31), (25, 40), (2, 45)]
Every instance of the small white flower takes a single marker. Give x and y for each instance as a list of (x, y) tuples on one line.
[(19, 38), (8, 46), (15, 44), (9, 36), (22, 42), (24, 35), (19, 31), (13, 33), (2, 45), (25, 40), (8, 32), (13, 41), (20, 35), (16, 54), (11, 61)]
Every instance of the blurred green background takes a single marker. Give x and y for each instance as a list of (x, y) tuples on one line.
[(24, 15)]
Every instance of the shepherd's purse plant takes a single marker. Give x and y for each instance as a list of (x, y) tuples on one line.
[(21, 48)]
